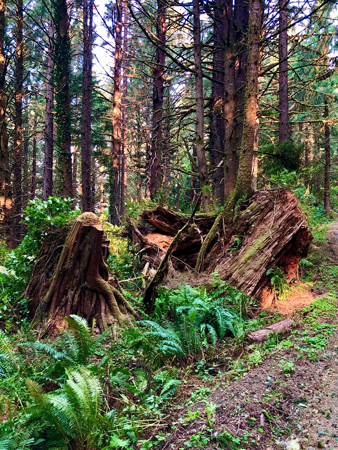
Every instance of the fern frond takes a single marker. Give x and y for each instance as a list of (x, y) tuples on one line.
[(47, 349), (82, 336), (35, 390)]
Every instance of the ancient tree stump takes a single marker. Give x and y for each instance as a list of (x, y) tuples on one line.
[(266, 231), (71, 277)]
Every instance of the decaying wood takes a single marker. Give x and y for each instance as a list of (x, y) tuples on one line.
[(171, 222), (268, 230), (151, 289), (71, 277), (261, 335)]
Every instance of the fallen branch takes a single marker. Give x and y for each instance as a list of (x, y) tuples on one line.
[(261, 335)]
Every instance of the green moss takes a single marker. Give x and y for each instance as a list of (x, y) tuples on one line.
[(255, 247)]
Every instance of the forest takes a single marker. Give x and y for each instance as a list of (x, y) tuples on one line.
[(168, 224)]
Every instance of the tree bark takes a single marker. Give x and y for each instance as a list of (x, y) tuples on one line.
[(62, 97), (87, 203), (250, 128), (5, 175), (200, 151), (230, 167), (80, 282), (49, 121), (217, 126), (17, 191), (284, 129), (25, 192), (158, 90), (115, 198), (327, 160), (124, 113), (241, 25), (33, 184), (74, 181)]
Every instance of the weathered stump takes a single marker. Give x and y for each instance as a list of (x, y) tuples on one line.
[(71, 277), (268, 230)]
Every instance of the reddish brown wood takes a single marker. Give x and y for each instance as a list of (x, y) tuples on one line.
[(71, 277), (269, 231)]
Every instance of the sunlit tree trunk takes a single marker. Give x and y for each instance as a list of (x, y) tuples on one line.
[(33, 184), (17, 191), (5, 176), (87, 203), (284, 129), (200, 151), (230, 166), (49, 121), (25, 188), (124, 113), (158, 89), (115, 196)]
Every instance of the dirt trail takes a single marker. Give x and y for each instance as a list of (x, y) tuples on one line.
[(321, 418)]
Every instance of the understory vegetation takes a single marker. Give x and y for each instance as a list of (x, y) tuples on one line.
[(138, 386)]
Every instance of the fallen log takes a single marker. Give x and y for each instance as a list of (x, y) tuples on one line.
[(71, 277), (262, 335), (268, 230)]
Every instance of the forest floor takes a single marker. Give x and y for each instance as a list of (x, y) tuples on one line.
[(281, 394)]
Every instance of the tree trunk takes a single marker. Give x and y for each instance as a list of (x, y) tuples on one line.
[(49, 129), (217, 126), (284, 130), (74, 181), (33, 185), (230, 167), (148, 159), (5, 175), (244, 185), (200, 152), (62, 97), (158, 89), (25, 192), (115, 197), (102, 169), (250, 128), (80, 282), (86, 113), (124, 113), (17, 179), (327, 160), (241, 24)]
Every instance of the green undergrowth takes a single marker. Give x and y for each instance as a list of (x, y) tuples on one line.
[(120, 389)]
